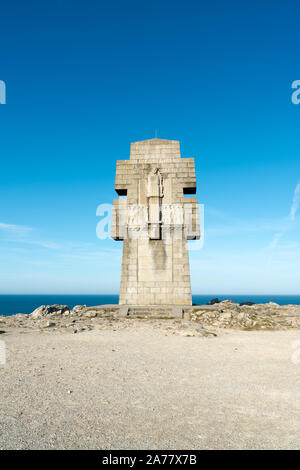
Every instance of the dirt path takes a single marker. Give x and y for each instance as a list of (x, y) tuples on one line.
[(144, 387)]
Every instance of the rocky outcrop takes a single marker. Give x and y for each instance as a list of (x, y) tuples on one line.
[(228, 314), (214, 301), (45, 310), (225, 314)]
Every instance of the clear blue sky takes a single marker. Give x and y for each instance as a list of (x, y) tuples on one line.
[(85, 78)]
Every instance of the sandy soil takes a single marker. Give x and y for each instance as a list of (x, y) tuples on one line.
[(147, 387)]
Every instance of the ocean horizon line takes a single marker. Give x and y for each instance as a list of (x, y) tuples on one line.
[(117, 294), (11, 304)]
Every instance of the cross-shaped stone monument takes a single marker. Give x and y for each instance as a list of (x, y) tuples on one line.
[(155, 219)]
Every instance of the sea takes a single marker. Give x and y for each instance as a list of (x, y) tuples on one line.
[(12, 304)]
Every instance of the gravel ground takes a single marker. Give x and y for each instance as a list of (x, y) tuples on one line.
[(145, 386)]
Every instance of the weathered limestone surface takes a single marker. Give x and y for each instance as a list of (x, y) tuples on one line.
[(226, 314), (155, 220)]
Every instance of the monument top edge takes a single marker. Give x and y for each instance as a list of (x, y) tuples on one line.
[(155, 141)]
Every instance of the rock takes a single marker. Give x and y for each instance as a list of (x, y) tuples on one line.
[(225, 316), (50, 324), (78, 309), (214, 301), (247, 303), (200, 330), (90, 314), (187, 334), (228, 305), (68, 329), (45, 310), (205, 333)]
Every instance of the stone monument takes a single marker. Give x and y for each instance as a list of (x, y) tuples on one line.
[(154, 220)]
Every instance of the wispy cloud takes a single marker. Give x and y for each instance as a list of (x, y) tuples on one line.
[(24, 234), (295, 203), (18, 236), (18, 229), (275, 240), (93, 254), (238, 226), (287, 223), (43, 244)]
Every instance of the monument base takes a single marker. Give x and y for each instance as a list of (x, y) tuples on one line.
[(141, 311)]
